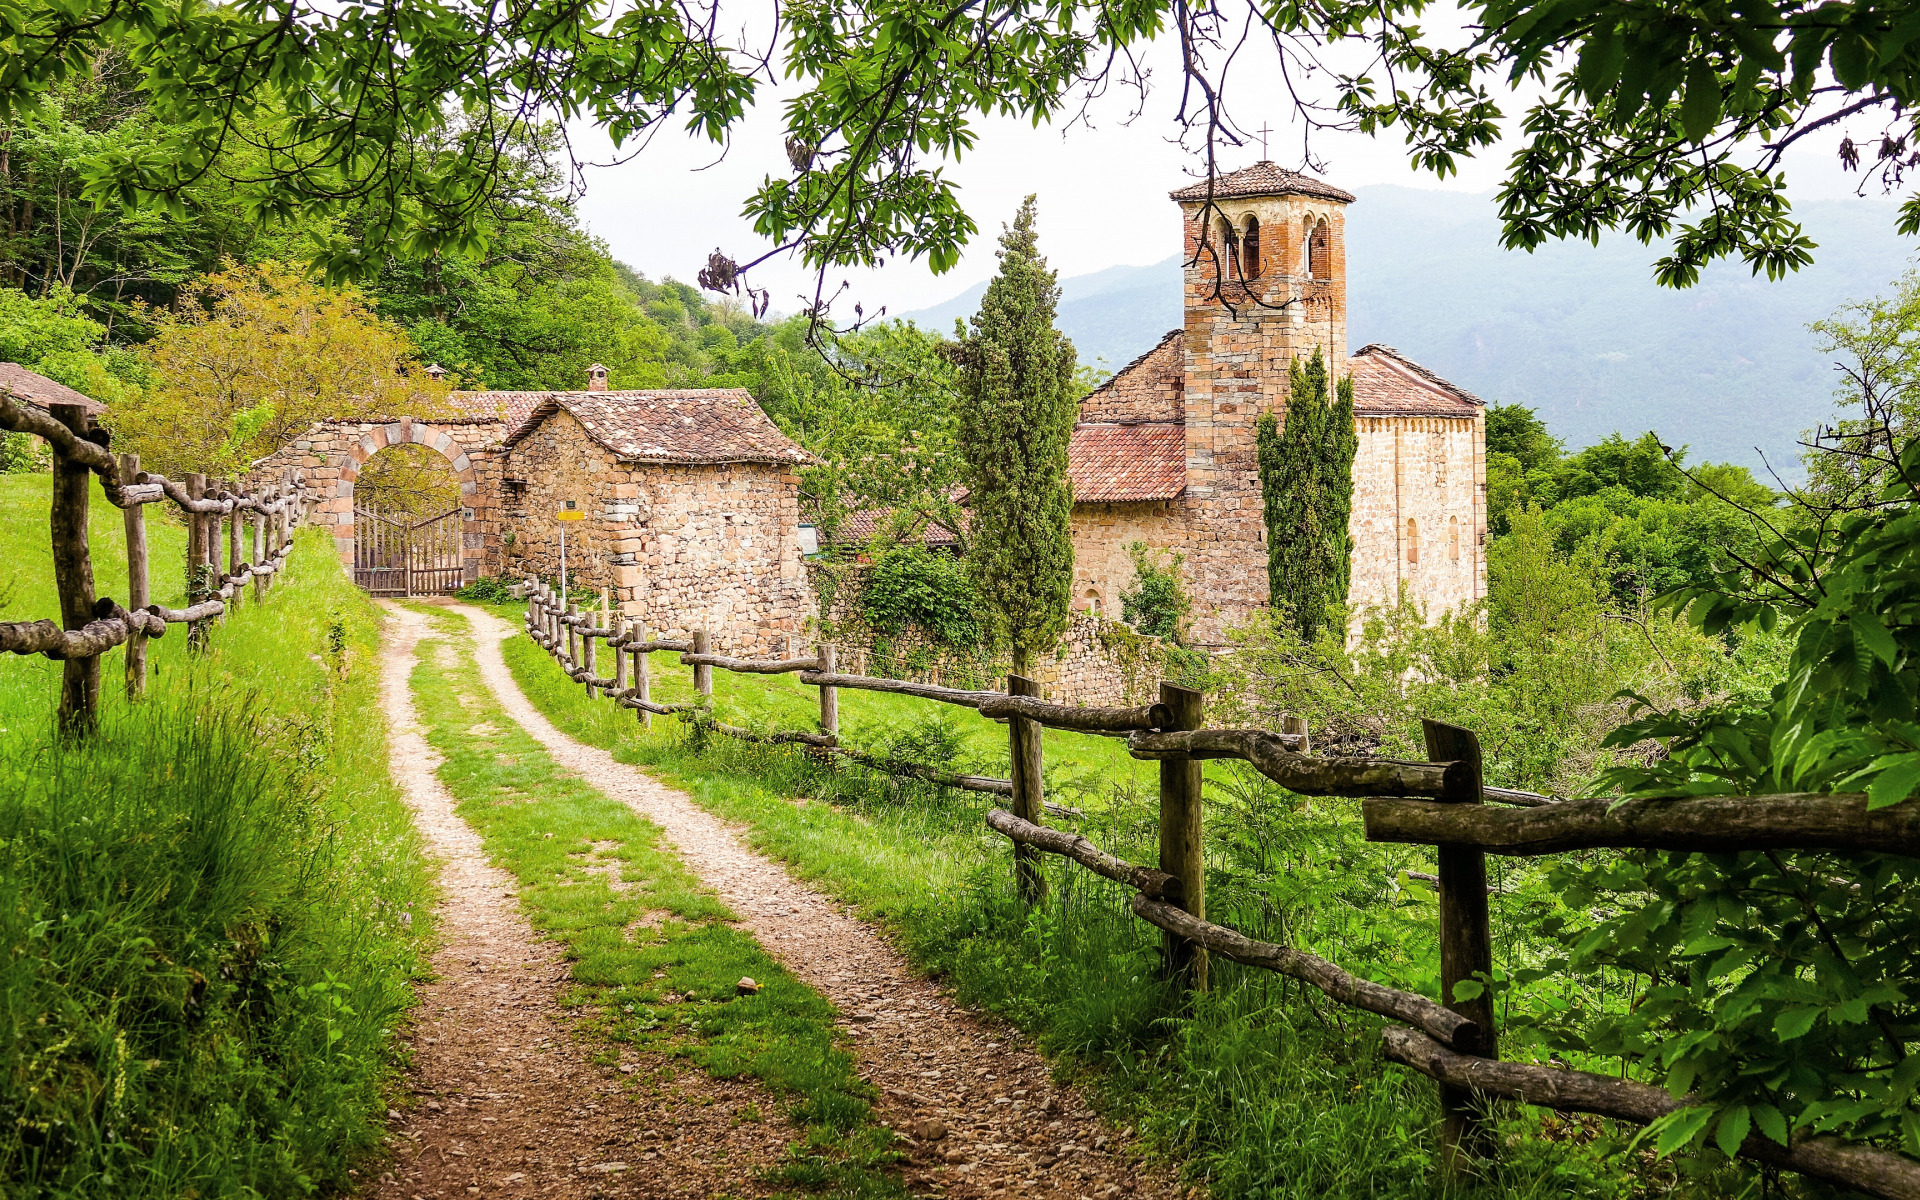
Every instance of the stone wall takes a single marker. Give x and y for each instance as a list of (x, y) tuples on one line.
[(1097, 662), (1149, 388), (1418, 517), (680, 546), (1102, 568)]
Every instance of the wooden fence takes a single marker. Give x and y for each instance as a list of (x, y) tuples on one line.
[(91, 625), (1442, 802)]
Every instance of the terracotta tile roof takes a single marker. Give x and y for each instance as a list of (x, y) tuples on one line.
[(1111, 463), (1386, 383), (1263, 179), (703, 425), (41, 391), (510, 408), (860, 527)]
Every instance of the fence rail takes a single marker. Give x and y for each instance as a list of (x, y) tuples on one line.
[(90, 625), (1439, 802)]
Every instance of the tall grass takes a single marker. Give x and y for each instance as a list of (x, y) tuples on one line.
[(207, 909), (1262, 1088)]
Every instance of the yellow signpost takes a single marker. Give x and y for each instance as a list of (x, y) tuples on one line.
[(569, 513)]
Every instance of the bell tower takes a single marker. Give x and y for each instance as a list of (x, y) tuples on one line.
[(1266, 282)]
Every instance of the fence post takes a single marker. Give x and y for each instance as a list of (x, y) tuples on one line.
[(1298, 725), (73, 576), (1466, 951), (567, 619), (1023, 745), (196, 561), (1181, 836), (134, 517), (642, 686), (829, 696), (259, 524), (592, 649), (620, 628), (233, 545), (702, 674)]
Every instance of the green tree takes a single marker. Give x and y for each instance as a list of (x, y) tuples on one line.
[(1878, 342), (1016, 416), (1518, 432), (271, 353), (1306, 480)]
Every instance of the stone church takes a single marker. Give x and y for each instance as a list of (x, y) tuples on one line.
[(1164, 452)]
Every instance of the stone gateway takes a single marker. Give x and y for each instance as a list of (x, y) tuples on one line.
[(1164, 452)]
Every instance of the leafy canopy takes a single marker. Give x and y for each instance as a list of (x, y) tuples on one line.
[(1666, 119)]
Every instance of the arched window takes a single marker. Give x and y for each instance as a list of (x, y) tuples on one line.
[(1413, 540), (1250, 248), (1306, 248), (1320, 252), (1093, 602), (1453, 538), (1230, 251)]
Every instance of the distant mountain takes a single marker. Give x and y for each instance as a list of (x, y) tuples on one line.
[(1579, 332), (1113, 314)]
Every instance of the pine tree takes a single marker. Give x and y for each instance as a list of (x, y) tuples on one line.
[(1017, 411), (1306, 479)]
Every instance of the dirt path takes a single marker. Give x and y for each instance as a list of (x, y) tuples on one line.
[(506, 1102), (986, 1120)]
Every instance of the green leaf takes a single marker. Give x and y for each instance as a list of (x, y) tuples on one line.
[(1771, 1123), (1677, 1129), (1895, 783), (1732, 1130), (1468, 989), (1794, 1022), (1700, 103), (1868, 631)]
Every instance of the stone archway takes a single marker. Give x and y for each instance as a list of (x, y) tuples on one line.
[(333, 452)]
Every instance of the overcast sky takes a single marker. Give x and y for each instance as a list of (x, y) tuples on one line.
[(1103, 190)]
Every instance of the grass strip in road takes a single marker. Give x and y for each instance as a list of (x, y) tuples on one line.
[(652, 952)]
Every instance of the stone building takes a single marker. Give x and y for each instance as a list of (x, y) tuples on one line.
[(689, 499), (1164, 451), (691, 502)]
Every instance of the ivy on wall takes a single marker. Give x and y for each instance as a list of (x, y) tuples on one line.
[(909, 586)]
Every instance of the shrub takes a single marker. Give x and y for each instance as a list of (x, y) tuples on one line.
[(1156, 604), (911, 586), (488, 589)]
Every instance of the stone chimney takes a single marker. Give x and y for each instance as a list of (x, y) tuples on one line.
[(436, 372), (596, 378)]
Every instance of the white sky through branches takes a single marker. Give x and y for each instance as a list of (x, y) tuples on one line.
[(1102, 186)]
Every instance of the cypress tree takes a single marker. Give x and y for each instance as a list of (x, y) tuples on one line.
[(1016, 416), (1306, 480)]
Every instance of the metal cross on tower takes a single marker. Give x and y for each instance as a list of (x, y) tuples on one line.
[(1263, 131)]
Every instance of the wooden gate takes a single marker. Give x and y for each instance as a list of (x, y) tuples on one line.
[(395, 556)]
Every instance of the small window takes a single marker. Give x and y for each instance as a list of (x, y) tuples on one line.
[(1093, 602), (1250, 248), (1230, 244), (1453, 538), (1413, 540), (1320, 252)]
